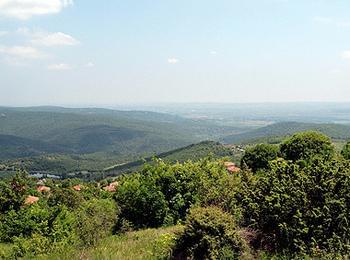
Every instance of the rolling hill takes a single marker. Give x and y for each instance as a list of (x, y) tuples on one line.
[(79, 139), (282, 129), (192, 152), (30, 133)]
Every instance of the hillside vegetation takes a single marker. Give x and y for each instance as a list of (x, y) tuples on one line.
[(89, 132), (141, 244), (193, 152), (96, 167), (288, 201), (93, 138), (276, 132)]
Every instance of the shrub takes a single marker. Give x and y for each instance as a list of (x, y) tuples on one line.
[(65, 197), (62, 228), (258, 157), (25, 222), (95, 219), (8, 198), (141, 201), (12, 194), (302, 209), (306, 145), (179, 183), (346, 151), (210, 233), (217, 187), (36, 244)]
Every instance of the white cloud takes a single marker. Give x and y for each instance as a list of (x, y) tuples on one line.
[(173, 60), (213, 52), (89, 64), (25, 9), (346, 55), (52, 39), (47, 39), (59, 66), (22, 52)]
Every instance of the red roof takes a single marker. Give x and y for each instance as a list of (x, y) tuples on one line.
[(231, 167), (77, 187), (112, 187), (31, 200), (43, 188)]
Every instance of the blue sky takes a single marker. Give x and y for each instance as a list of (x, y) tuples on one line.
[(88, 52)]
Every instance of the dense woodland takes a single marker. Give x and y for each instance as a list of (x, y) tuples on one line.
[(84, 142), (289, 200)]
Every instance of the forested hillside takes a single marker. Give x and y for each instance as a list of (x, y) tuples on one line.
[(288, 201), (283, 129), (193, 152), (90, 132), (127, 134), (64, 140)]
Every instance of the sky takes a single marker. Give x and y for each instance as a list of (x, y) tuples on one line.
[(88, 52)]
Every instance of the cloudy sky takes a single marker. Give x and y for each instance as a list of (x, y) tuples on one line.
[(88, 52)]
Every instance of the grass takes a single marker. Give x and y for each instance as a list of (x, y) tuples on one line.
[(143, 244), (5, 250)]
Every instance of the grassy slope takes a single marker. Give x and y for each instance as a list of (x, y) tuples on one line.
[(192, 152), (335, 131), (68, 163), (143, 244)]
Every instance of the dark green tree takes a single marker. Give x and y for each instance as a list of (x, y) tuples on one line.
[(141, 202), (258, 157), (301, 209), (307, 145), (346, 151)]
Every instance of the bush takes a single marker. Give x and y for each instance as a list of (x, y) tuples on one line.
[(65, 197), (95, 219), (141, 201), (210, 233), (258, 157), (35, 245), (12, 194), (306, 145), (217, 187), (302, 209), (8, 198), (162, 194), (346, 151), (25, 222), (62, 228)]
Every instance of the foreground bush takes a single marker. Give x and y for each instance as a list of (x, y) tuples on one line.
[(163, 193), (37, 230), (346, 151), (302, 209), (210, 233), (95, 219), (141, 201)]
